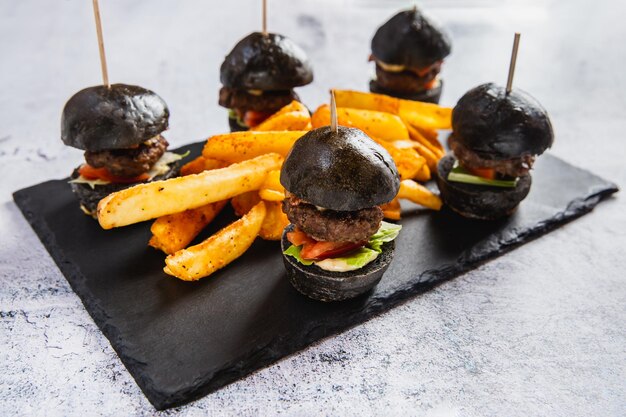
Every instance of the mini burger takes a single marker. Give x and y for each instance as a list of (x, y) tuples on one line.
[(408, 51), (119, 128), (495, 140), (337, 245), (259, 76)]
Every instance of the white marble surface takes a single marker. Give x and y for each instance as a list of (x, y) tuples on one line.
[(539, 331)]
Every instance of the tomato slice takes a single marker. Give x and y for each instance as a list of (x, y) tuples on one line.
[(299, 238), (488, 173), (254, 118), (92, 173), (322, 250), (431, 84)]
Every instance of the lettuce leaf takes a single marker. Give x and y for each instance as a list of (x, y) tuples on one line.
[(357, 259)]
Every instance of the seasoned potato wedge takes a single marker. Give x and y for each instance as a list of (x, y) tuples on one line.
[(159, 198), (417, 193), (392, 209), (219, 250), (275, 221), (293, 116), (239, 146), (173, 232), (375, 124)]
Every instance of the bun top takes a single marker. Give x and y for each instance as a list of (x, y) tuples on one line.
[(497, 125), (99, 118), (409, 39), (344, 171), (266, 62)]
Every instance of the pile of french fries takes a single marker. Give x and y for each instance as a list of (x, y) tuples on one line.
[(244, 168)]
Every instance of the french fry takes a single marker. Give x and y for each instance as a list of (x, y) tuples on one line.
[(201, 164), (174, 232), (423, 174), (431, 158), (431, 135), (425, 115), (274, 223), (392, 209), (159, 198), (366, 101), (239, 146), (293, 121), (271, 195), (218, 250), (272, 181), (436, 148), (294, 106), (243, 203), (417, 193), (293, 116), (407, 160), (376, 124)]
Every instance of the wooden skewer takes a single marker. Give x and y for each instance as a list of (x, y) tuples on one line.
[(265, 17), (509, 82), (333, 112), (103, 59)]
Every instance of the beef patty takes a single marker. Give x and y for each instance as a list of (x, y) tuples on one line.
[(129, 162), (407, 81), (514, 167), (269, 101), (331, 225)]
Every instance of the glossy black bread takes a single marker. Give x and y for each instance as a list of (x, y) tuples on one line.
[(409, 39), (497, 125), (89, 197), (266, 62), (429, 96), (342, 171), (323, 285), (477, 201), (99, 118)]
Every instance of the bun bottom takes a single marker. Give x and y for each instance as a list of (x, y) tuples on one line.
[(429, 96), (322, 285), (235, 126), (478, 201), (89, 197)]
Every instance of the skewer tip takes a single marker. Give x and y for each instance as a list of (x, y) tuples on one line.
[(333, 112)]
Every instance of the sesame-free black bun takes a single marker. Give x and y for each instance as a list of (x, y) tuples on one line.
[(479, 201), (431, 95), (266, 62), (410, 39), (100, 118), (89, 197), (343, 170), (497, 125), (322, 285)]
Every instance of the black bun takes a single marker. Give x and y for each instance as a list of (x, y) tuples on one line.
[(429, 96), (100, 118), (496, 125), (322, 285), (266, 62), (477, 201), (89, 197), (342, 171), (409, 39)]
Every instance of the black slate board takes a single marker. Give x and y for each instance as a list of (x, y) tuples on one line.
[(183, 340)]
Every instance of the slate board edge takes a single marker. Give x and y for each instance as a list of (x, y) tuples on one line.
[(260, 358), (75, 278), (238, 369)]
